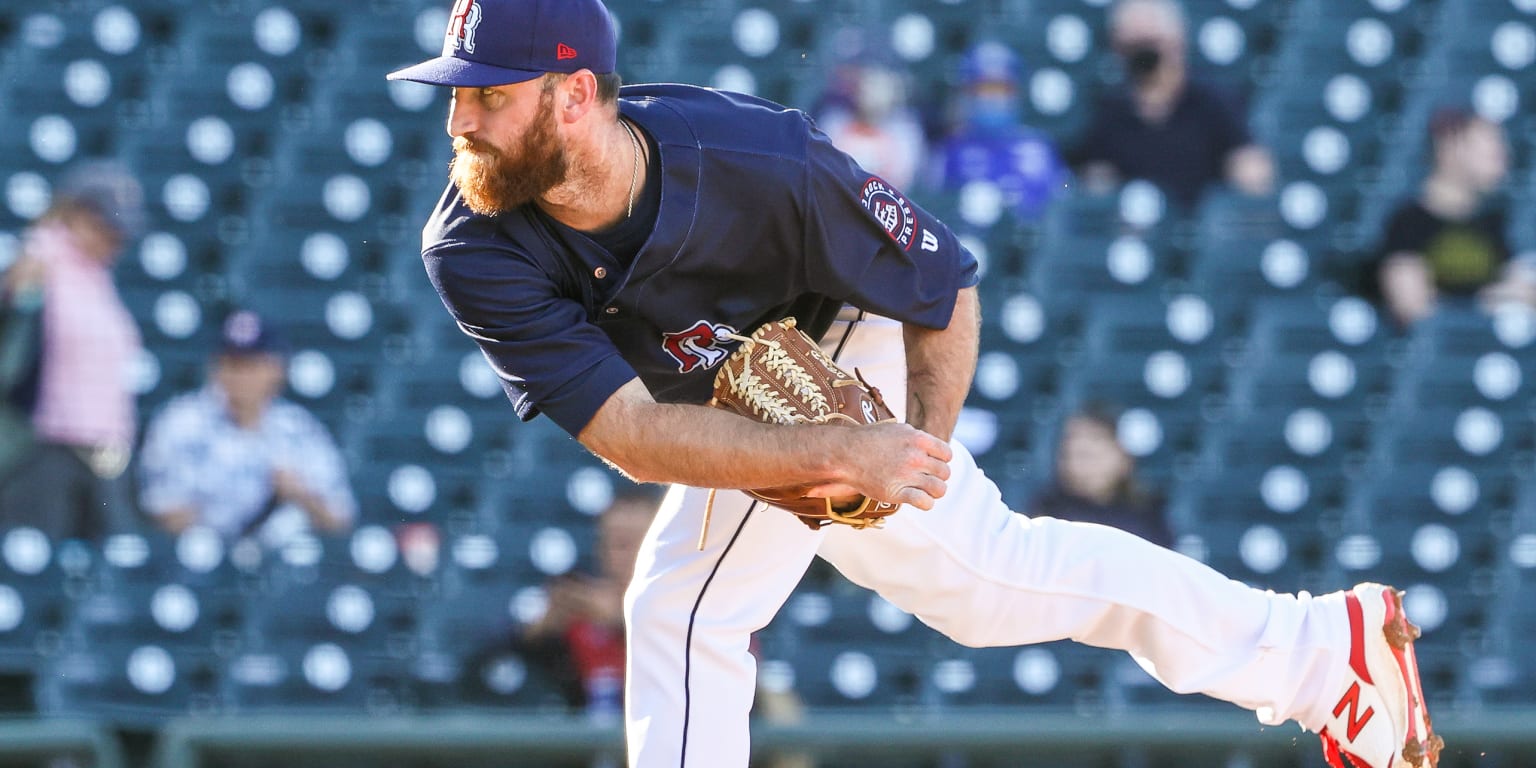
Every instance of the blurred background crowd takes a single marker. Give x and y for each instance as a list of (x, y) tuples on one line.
[(1259, 284)]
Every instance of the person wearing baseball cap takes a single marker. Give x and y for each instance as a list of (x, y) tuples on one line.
[(238, 458), (607, 251), (497, 42)]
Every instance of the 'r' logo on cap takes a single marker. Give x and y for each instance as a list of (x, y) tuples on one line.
[(461, 27), (563, 52)]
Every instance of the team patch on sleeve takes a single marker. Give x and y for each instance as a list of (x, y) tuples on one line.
[(892, 210), (701, 345)]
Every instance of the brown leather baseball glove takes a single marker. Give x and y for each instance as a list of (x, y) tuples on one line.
[(781, 376)]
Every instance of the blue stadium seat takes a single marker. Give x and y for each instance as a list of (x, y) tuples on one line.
[(294, 676), (1446, 493), (39, 581), (1473, 435), (1504, 673), (170, 616), (1056, 675), (331, 612), (1086, 247), (133, 686), (1329, 380), (1279, 434), (855, 616), (1161, 380), (1241, 252), (273, 35), (198, 558), (1138, 324), (1265, 525), (1228, 41), (406, 477), (837, 675)]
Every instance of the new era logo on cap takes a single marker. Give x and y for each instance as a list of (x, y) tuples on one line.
[(499, 42)]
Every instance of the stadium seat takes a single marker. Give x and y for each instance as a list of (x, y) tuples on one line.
[(1467, 435), (1143, 324), (1055, 675), (1306, 437), (1086, 247), (1164, 379), (1445, 493), (1264, 525), (1504, 672), (1241, 253), (295, 676), (1230, 42), (170, 616), (39, 580), (197, 558), (1328, 380), (856, 616), (334, 611), (132, 686), (837, 675)]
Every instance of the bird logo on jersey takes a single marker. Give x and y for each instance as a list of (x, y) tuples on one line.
[(698, 346), (891, 210), (461, 27)]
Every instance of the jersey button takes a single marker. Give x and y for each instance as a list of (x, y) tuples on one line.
[(612, 310), (600, 273)]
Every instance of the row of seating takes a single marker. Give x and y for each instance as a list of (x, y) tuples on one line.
[(145, 629)]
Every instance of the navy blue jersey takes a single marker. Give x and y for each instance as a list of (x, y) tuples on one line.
[(760, 218)]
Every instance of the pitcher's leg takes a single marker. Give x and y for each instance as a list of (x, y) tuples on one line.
[(690, 615), (985, 576)]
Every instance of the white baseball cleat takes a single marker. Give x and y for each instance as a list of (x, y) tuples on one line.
[(1380, 720)]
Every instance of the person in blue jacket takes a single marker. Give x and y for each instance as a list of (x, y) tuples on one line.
[(990, 142)]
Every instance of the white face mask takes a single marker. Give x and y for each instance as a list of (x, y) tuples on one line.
[(879, 94)]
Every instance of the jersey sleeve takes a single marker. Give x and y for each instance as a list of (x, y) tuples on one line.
[(549, 357), (867, 244)]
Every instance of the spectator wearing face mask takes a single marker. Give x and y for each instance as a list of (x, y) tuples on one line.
[(1448, 243), (991, 144), (866, 114), (1181, 134)]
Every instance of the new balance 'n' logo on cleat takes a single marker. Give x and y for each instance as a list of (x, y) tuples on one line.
[(1380, 720)]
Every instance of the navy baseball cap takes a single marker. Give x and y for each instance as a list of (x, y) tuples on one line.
[(106, 188), (247, 333), (499, 42)]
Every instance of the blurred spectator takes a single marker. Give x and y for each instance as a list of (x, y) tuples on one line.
[(872, 122), (1096, 483), (420, 546), (1449, 242), (1179, 133), (990, 142), (67, 351), (579, 641), (236, 457)]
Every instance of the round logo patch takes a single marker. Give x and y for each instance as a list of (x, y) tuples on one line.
[(892, 210)]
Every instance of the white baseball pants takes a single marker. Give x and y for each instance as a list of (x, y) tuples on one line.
[(970, 568)]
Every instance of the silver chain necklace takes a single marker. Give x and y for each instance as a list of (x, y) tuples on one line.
[(634, 170)]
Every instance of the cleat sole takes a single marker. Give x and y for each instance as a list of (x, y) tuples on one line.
[(1418, 751)]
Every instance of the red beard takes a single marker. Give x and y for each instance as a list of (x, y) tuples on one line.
[(493, 181)]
